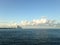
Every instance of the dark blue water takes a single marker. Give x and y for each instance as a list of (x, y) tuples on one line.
[(29, 36)]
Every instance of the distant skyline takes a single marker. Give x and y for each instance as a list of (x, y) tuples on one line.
[(18, 10)]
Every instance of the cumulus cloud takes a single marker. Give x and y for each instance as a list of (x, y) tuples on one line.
[(25, 22), (33, 22), (43, 20)]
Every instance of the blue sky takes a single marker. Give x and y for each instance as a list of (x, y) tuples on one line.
[(17, 10)]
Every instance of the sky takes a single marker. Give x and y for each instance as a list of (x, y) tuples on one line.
[(17, 10)]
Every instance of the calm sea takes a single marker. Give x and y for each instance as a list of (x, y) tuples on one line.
[(29, 36)]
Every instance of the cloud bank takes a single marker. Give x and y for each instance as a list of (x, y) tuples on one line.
[(43, 20), (34, 22)]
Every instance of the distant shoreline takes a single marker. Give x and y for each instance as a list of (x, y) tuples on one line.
[(7, 28), (29, 28)]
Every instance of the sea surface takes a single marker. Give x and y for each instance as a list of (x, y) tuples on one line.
[(29, 36)]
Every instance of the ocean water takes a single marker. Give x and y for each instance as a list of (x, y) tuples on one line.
[(29, 36)]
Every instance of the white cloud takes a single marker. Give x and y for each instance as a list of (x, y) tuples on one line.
[(43, 20), (26, 23)]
